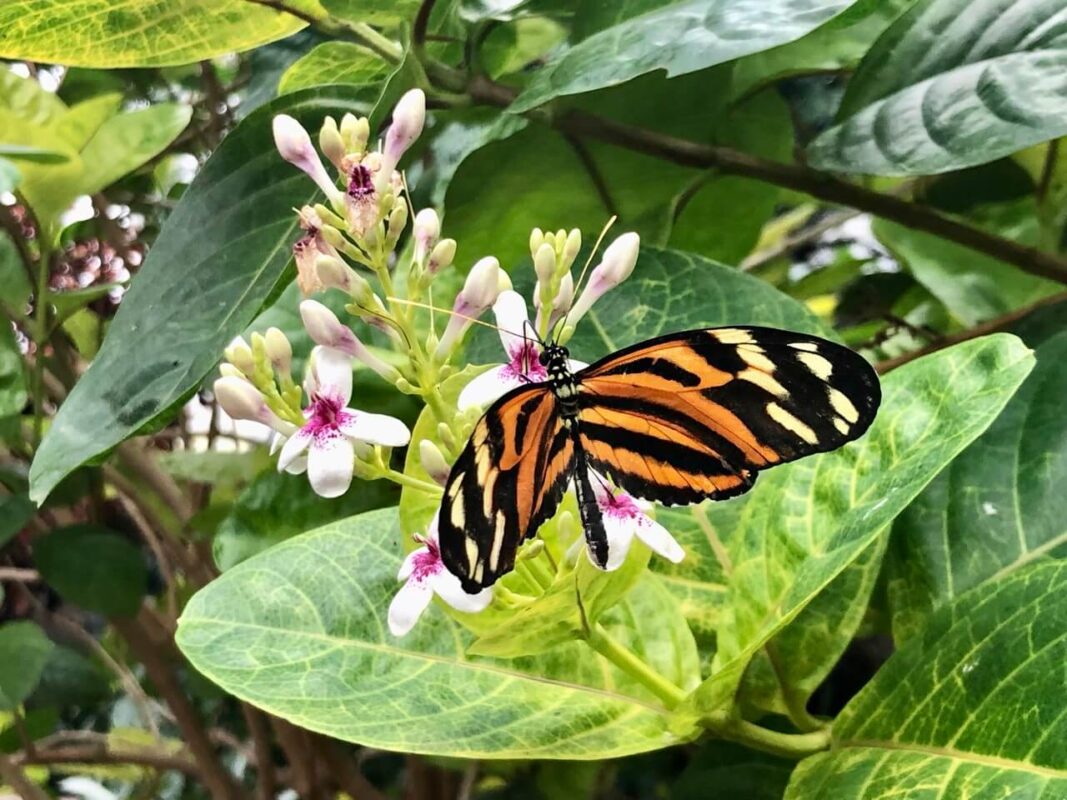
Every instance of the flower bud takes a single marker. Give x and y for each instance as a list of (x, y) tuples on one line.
[(571, 247), (279, 351), (427, 230), (479, 292), (241, 400), (503, 282), (565, 296), (326, 330), (355, 131), (441, 256), (294, 144), (333, 237), (240, 355), (331, 143), (228, 370), (398, 218), (545, 264), (618, 263), (333, 273), (408, 118), (433, 461), (537, 238)]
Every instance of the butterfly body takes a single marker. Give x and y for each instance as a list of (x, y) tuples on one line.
[(677, 419)]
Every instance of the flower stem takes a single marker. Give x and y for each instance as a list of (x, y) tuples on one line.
[(415, 483), (632, 664), (787, 745)]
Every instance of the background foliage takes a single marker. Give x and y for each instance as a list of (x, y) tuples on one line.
[(886, 620)]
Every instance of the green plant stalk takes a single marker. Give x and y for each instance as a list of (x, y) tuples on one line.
[(41, 334), (788, 745), (632, 664)]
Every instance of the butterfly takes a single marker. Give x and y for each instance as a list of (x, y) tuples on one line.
[(678, 419)]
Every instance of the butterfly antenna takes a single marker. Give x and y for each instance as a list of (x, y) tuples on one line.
[(592, 253), (432, 309)]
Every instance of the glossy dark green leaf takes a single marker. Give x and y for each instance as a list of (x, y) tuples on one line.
[(94, 568), (950, 84), (973, 286), (300, 631), (70, 680), (678, 37), (217, 261), (15, 511), (806, 523), (973, 707), (24, 650), (1000, 505)]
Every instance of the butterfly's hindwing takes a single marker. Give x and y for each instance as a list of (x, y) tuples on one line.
[(505, 484)]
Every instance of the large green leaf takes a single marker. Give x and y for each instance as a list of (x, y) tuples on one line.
[(337, 62), (217, 261), (9, 176), (126, 141), (26, 99), (973, 286), (950, 84), (24, 650), (94, 568), (805, 523), (974, 707), (15, 511), (1000, 505), (138, 33), (300, 632), (372, 12), (678, 37)]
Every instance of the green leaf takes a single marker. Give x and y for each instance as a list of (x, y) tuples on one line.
[(44, 185), (337, 62), (276, 507), (15, 511), (372, 12), (678, 37), (975, 287), (12, 374), (218, 259), (93, 568), (127, 141), (952, 84), (69, 680), (138, 33), (24, 650), (805, 523), (971, 708), (26, 99), (300, 631), (999, 506), (80, 122)]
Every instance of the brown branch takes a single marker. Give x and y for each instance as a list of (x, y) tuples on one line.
[(595, 175), (216, 779), (298, 753), (259, 730), (14, 777), (97, 749), (990, 326), (344, 769), (18, 575), (820, 185), (421, 23), (134, 455)]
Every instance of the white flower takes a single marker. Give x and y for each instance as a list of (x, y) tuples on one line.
[(325, 329), (425, 575), (479, 292), (295, 146), (523, 363), (241, 400), (325, 443), (624, 517), (426, 233), (409, 116), (618, 262), (433, 461)]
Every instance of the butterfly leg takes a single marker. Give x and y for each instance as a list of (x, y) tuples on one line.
[(592, 520)]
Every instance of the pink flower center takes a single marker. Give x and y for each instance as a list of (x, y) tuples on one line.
[(426, 561), (360, 184), (326, 415), (619, 505), (524, 362)]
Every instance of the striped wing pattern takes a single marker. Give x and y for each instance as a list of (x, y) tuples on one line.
[(695, 415), (508, 480), (678, 419)]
